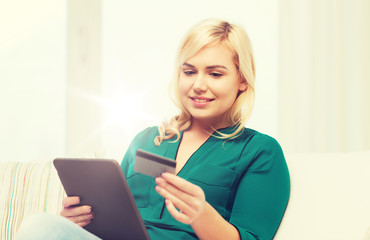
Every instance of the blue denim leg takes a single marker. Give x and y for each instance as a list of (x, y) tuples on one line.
[(53, 227)]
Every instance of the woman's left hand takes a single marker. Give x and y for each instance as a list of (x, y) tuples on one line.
[(184, 200)]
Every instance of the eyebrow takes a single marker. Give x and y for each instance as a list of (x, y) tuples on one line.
[(208, 67)]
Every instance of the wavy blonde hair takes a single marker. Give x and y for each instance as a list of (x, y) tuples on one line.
[(207, 33)]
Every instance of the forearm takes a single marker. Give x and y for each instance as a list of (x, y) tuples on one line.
[(211, 225)]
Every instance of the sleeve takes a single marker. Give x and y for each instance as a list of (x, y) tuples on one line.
[(263, 193)]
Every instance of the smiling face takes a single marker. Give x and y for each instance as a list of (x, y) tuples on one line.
[(209, 85)]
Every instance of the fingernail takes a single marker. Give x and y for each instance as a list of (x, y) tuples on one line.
[(91, 215), (158, 180)]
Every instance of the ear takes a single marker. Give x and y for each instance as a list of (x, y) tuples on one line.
[(243, 85)]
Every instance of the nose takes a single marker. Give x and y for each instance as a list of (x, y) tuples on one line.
[(200, 85)]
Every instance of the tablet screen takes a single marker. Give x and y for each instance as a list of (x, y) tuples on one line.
[(100, 183)]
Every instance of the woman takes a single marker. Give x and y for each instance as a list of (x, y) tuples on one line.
[(231, 182)]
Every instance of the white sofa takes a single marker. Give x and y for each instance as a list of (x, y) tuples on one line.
[(330, 196)]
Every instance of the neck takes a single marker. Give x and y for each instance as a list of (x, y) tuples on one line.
[(206, 127)]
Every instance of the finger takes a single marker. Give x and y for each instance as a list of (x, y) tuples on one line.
[(173, 190), (182, 184), (194, 196), (82, 218), (70, 201), (83, 224), (76, 211), (179, 216), (178, 202)]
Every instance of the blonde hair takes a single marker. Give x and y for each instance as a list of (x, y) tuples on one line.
[(208, 33)]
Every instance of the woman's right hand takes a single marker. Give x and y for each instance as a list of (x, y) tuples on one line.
[(81, 215)]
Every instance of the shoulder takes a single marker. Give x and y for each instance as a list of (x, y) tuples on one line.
[(260, 139), (146, 133), (256, 139), (250, 140), (149, 131), (144, 137), (263, 150)]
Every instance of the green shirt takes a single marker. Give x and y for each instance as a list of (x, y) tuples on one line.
[(245, 179)]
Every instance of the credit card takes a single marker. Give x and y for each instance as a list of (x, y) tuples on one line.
[(152, 164)]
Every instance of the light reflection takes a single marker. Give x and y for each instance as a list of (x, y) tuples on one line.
[(121, 112)]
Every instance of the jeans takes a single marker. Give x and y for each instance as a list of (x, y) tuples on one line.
[(53, 227)]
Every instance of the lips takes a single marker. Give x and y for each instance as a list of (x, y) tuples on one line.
[(201, 99)]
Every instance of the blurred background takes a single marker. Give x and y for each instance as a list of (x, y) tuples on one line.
[(80, 78)]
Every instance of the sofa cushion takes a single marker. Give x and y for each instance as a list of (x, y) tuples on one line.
[(26, 189)]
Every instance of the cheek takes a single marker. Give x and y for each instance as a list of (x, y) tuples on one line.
[(227, 92), (184, 87)]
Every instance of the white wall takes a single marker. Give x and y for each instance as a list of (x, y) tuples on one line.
[(32, 79), (324, 101), (140, 40)]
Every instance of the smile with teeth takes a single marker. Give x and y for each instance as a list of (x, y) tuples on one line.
[(201, 100)]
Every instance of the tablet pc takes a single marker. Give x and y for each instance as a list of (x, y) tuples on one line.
[(100, 183)]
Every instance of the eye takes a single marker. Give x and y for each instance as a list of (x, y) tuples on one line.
[(189, 72), (215, 74)]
